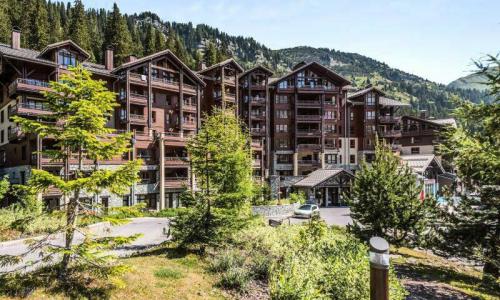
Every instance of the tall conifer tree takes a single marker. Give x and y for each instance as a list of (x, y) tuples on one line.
[(118, 35), (78, 30)]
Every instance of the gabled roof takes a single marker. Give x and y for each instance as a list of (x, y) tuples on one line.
[(97, 68), (420, 162), (258, 67), (437, 122), (64, 43), (158, 54), (317, 65), (391, 102), (365, 91), (316, 177), (24, 54), (223, 63)]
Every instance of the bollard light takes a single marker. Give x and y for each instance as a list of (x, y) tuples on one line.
[(379, 269), (379, 252)]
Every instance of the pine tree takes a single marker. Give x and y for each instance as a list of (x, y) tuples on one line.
[(210, 54), (78, 30), (118, 35), (56, 33), (472, 225), (5, 22), (160, 43), (222, 163), (38, 34), (149, 40), (80, 109), (385, 200)]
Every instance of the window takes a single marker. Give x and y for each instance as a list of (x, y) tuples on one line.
[(352, 116), (340, 143), (340, 159), (153, 116), (282, 114), (2, 118), (330, 115), (331, 158), (281, 99), (415, 150), (331, 143), (352, 159), (282, 143), (2, 138), (284, 158), (330, 128), (283, 85), (370, 115), (370, 99), (281, 128), (370, 128), (66, 58), (23, 153), (352, 144)]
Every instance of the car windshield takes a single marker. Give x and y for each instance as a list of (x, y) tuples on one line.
[(305, 207)]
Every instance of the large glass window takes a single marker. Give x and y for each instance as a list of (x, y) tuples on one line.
[(66, 58), (370, 99)]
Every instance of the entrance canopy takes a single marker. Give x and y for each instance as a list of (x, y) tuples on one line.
[(326, 178)]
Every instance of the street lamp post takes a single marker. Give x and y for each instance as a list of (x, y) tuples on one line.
[(379, 269)]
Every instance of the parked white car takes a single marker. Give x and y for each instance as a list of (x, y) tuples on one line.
[(307, 210)]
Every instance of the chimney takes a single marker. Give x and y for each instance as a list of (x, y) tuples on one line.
[(130, 58), (108, 58), (423, 114), (16, 38)]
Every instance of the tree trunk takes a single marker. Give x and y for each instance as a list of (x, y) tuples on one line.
[(71, 213)]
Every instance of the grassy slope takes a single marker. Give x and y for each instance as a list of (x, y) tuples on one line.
[(430, 268), (156, 275)]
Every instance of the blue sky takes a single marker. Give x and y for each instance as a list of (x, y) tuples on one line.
[(435, 39)]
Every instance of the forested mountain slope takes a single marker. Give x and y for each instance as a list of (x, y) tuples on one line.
[(143, 33)]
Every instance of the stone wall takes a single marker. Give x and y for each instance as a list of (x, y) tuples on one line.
[(275, 210)]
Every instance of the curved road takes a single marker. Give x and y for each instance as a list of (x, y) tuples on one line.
[(152, 230)]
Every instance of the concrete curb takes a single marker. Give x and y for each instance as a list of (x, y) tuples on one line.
[(93, 227)]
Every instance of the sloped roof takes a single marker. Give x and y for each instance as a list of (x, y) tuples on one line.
[(449, 121), (258, 67), (223, 63), (303, 66), (316, 177), (391, 102), (63, 43), (420, 162), (365, 91), (158, 54), (24, 54)]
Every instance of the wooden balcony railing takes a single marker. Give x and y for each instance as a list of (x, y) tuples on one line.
[(28, 85), (308, 117), (389, 119)]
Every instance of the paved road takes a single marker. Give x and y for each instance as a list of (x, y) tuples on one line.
[(339, 216), (150, 228)]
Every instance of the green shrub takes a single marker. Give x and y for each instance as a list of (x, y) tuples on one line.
[(236, 278), (299, 197), (125, 212), (167, 213), (259, 265), (167, 273), (226, 260)]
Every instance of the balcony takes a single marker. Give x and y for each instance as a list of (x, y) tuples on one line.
[(138, 99), (256, 145), (15, 134), (256, 115), (258, 85), (137, 119), (308, 103), (283, 166), (189, 107), (189, 125), (312, 162), (390, 133), (165, 83), (258, 131), (176, 161), (257, 101), (331, 146), (314, 84), (309, 146), (309, 118), (419, 132), (176, 182), (140, 79), (28, 85), (389, 119), (174, 139), (29, 109), (228, 80), (189, 89), (256, 163), (308, 132), (285, 88)]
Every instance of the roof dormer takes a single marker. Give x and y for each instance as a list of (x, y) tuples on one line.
[(65, 53)]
